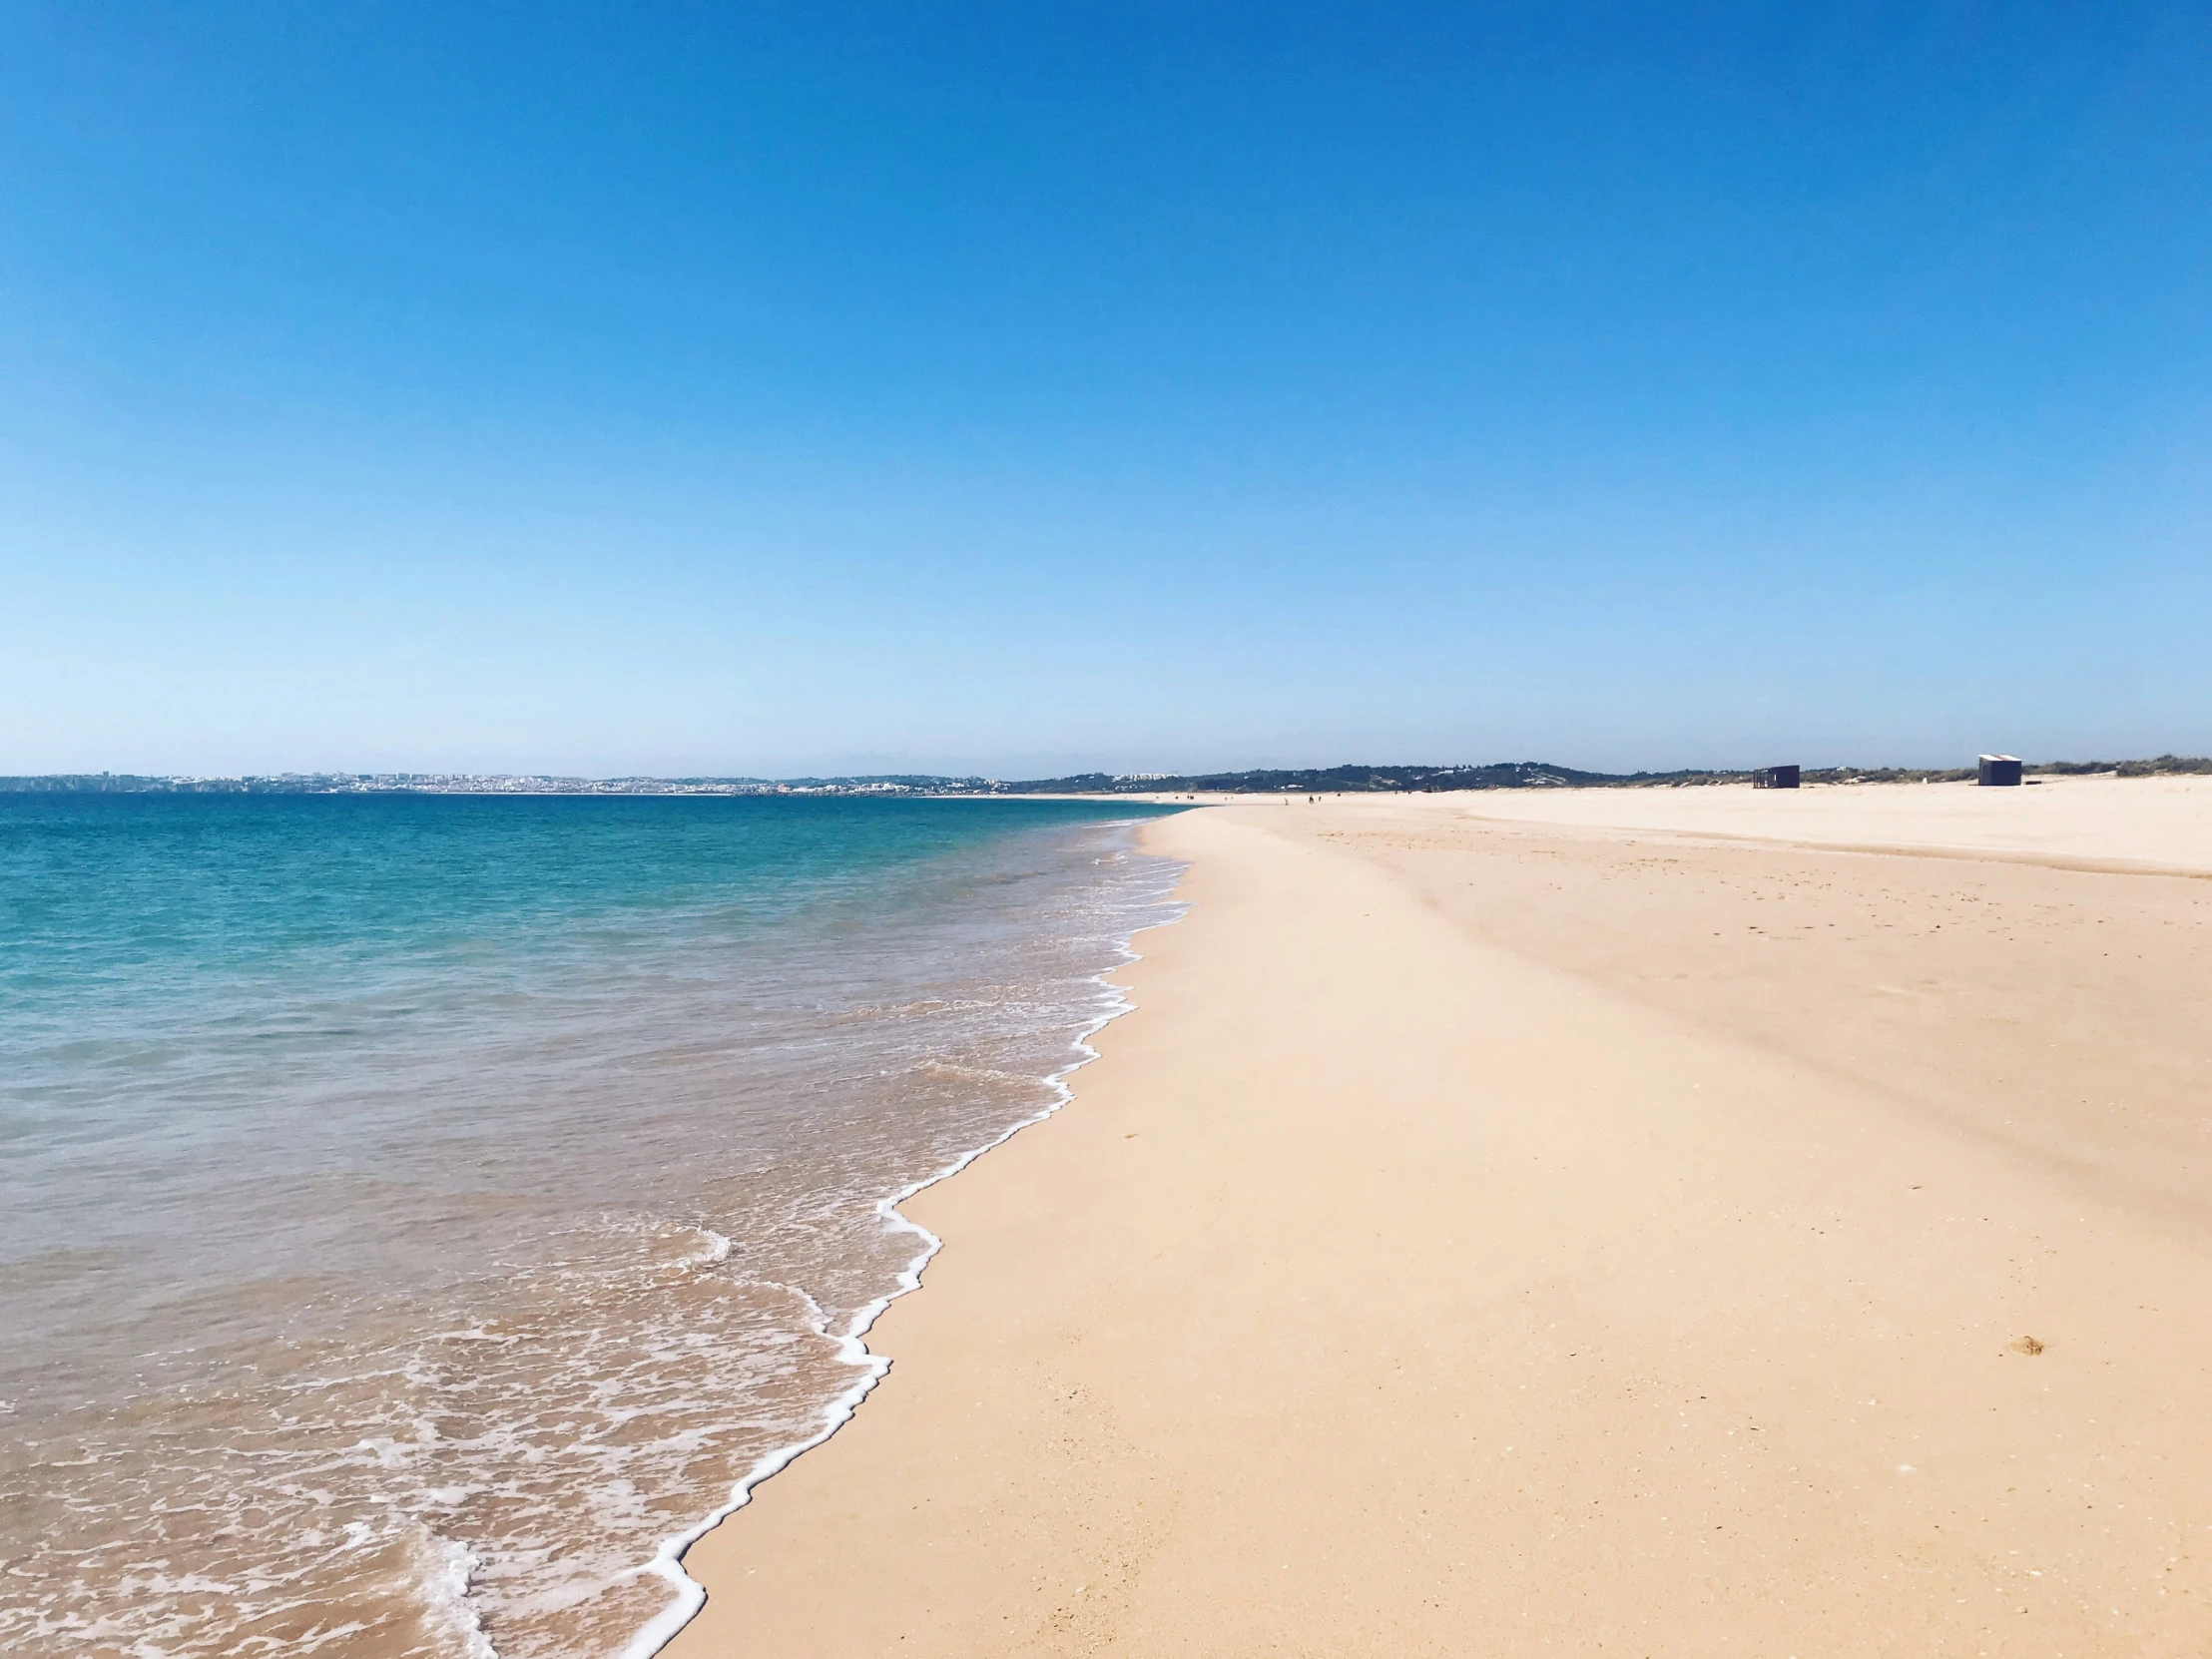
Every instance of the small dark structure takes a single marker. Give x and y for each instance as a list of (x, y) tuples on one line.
[(1775, 777), (1999, 771)]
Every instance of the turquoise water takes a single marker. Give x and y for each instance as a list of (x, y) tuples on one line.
[(417, 1207)]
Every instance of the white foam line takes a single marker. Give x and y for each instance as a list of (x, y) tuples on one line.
[(668, 1561)]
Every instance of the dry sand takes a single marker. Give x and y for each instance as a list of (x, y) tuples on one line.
[(1503, 1237), (2119, 823)]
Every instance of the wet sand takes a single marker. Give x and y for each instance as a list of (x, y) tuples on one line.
[(1502, 1235)]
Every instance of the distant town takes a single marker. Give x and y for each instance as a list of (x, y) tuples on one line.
[(1506, 775)]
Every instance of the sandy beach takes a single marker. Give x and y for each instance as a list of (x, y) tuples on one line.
[(1637, 1222)]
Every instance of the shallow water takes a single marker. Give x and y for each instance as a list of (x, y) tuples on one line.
[(419, 1207)]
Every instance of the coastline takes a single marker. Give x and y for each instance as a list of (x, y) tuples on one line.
[(495, 1177), (1408, 1281), (669, 1561)]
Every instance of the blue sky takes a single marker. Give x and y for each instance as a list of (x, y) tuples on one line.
[(686, 389)]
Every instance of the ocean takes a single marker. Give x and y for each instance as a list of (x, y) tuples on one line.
[(419, 1212)]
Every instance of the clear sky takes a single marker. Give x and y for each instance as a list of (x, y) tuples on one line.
[(1023, 388)]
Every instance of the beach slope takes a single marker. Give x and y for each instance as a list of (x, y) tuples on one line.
[(1525, 1238)]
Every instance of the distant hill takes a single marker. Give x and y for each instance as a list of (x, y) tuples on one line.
[(1535, 774), (1504, 775), (1341, 780)]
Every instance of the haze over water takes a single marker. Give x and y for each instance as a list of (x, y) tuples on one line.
[(419, 1207)]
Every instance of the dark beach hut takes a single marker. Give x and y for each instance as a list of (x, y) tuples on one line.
[(1998, 769), (1775, 777)]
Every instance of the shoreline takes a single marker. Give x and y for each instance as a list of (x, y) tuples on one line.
[(1508, 1264), (668, 1561)]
